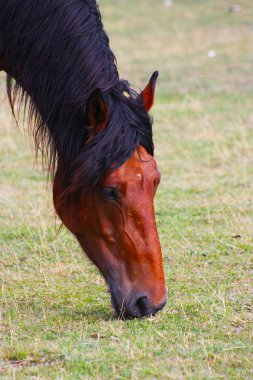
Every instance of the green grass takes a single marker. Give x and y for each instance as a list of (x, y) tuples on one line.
[(55, 314)]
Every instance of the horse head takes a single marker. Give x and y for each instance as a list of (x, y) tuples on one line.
[(116, 225)]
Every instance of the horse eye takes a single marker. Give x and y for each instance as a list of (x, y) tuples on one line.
[(110, 193)]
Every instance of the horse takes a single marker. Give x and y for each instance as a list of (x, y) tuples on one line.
[(95, 135)]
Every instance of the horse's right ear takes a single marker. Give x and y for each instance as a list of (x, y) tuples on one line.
[(97, 112)]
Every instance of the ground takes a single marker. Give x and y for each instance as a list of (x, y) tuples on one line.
[(55, 314)]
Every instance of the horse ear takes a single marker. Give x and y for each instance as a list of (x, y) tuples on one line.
[(148, 93), (97, 112)]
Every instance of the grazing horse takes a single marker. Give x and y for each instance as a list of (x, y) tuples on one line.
[(96, 136)]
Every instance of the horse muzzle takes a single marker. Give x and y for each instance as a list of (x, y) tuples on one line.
[(136, 306)]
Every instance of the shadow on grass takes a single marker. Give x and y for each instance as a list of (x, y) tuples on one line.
[(91, 314)]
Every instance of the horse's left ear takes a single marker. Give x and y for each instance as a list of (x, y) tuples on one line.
[(97, 112), (148, 93)]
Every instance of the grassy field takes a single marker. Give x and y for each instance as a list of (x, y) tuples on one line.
[(55, 314)]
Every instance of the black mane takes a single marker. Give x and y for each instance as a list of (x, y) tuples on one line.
[(56, 54)]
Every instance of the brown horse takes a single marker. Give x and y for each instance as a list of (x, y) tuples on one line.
[(96, 135)]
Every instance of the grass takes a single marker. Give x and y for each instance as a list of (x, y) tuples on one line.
[(56, 319)]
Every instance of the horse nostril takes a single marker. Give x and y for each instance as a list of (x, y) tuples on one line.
[(139, 307), (143, 305)]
